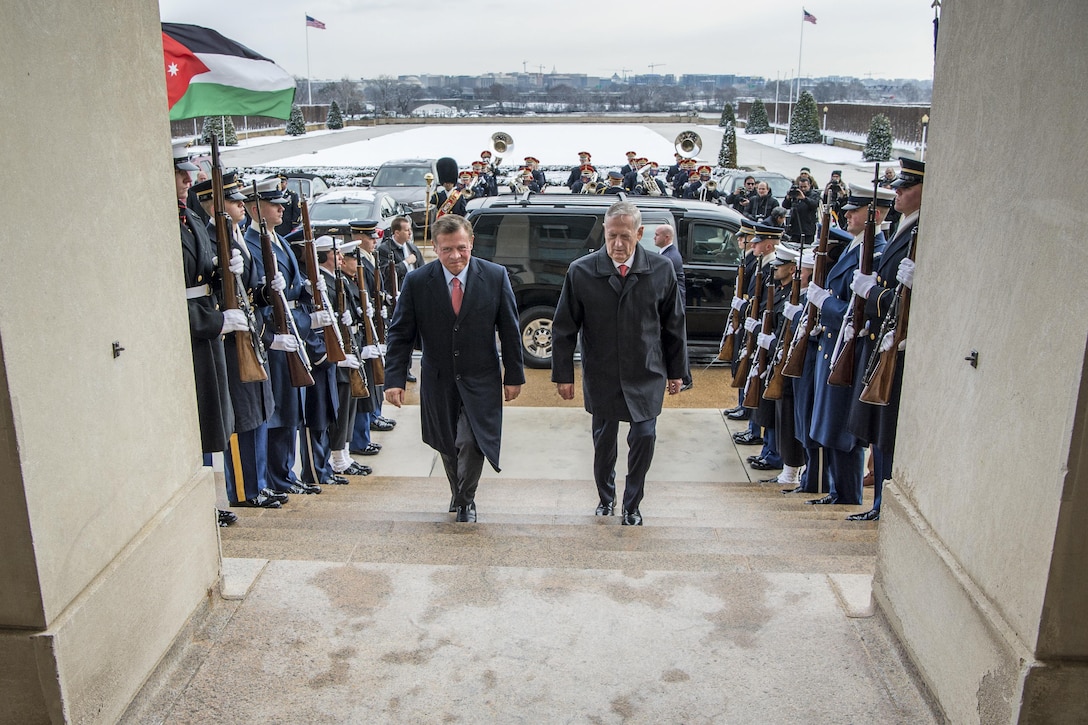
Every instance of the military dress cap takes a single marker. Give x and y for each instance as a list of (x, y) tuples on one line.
[(587, 170), (324, 243), (766, 231), (365, 226), (704, 170), (585, 153), (485, 154), (747, 229), (629, 154), (532, 160), (232, 188), (181, 157), (477, 164), (348, 247), (836, 235), (860, 196), (613, 174), (784, 254), (911, 173), (267, 190), (808, 259), (447, 170)]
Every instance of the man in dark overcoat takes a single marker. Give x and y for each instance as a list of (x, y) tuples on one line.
[(625, 305), (455, 306)]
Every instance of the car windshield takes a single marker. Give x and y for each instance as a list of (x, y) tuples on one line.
[(400, 176), (329, 211)]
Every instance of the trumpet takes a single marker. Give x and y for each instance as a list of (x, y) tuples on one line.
[(649, 183), (501, 144), (707, 188), (590, 188), (688, 144)]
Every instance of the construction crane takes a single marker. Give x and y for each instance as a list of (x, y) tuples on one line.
[(651, 66)]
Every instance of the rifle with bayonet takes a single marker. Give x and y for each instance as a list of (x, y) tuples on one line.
[(754, 392), (251, 354), (744, 364), (776, 381), (334, 343), (810, 318), (880, 370), (370, 329), (356, 376), (728, 346)]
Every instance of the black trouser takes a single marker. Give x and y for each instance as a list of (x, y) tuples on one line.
[(463, 470), (640, 443)]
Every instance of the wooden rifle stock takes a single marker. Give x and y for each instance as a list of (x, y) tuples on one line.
[(356, 376), (370, 330), (880, 372), (377, 298), (744, 364), (843, 364), (795, 360), (250, 352), (729, 337), (754, 392), (297, 363), (334, 346), (776, 382)]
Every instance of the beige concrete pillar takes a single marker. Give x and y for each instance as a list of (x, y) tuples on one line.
[(107, 520), (982, 567)]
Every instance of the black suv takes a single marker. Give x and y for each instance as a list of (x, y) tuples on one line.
[(538, 236)]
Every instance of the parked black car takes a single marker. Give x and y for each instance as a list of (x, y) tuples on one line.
[(405, 181), (536, 238)]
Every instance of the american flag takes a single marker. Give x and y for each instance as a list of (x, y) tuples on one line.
[(808, 17), (312, 23)]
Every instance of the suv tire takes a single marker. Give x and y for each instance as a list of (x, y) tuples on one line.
[(535, 324)]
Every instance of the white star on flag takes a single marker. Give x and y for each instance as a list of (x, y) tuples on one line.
[(172, 69)]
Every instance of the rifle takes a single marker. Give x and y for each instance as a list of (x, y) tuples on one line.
[(775, 380), (377, 295), (880, 371), (795, 359), (298, 363), (843, 359), (753, 392), (370, 330), (744, 364), (250, 350), (356, 376), (728, 347), (334, 343)]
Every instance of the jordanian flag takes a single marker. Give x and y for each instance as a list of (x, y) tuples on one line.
[(209, 75)]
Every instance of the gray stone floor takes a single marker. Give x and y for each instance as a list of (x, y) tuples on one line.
[(733, 604)]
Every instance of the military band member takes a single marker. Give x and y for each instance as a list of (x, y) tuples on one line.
[(584, 158), (877, 424), (700, 187), (674, 169), (632, 163), (615, 183), (586, 183), (449, 199), (538, 176), (646, 182)]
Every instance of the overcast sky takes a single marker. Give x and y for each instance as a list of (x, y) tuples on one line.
[(368, 38)]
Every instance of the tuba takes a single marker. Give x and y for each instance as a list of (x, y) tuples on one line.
[(688, 144), (501, 144)]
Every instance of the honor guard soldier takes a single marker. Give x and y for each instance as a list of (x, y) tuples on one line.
[(450, 199), (284, 424), (584, 158), (292, 210), (877, 424), (843, 451)]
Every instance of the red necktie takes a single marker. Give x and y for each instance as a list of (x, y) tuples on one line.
[(623, 270), (456, 296)]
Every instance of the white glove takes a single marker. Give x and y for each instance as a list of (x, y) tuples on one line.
[(237, 265), (817, 295), (750, 324), (385, 313), (370, 310), (345, 318), (321, 286), (369, 352), (382, 348), (887, 341), (862, 284), (234, 321), (765, 341), (321, 318), (279, 284), (286, 343), (738, 303), (849, 333), (349, 361), (790, 311), (905, 274)]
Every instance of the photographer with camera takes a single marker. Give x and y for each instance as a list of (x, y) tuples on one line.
[(762, 204), (739, 199), (835, 195), (803, 202)]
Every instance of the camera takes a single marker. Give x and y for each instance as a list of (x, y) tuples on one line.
[(794, 191)]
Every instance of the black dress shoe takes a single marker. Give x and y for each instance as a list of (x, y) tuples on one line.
[(387, 421), (274, 495), (761, 464), (467, 514), (260, 501), (357, 469), (605, 508), (301, 487), (632, 518), (873, 515), (797, 489), (686, 386), (380, 425), (372, 449), (742, 414), (411, 378), (747, 438), (820, 501), (226, 518), (453, 504), (738, 409), (335, 480), (753, 459)]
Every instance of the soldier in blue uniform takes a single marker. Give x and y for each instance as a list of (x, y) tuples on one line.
[(877, 424), (584, 158)]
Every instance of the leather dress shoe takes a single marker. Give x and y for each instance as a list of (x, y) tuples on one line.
[(274, 495), (411, 378), (747, 438), (226, 518), (742, 414), (752, 459), (820, 501), (260, 501), (687, 386), (605, 508), (798, 489), (357, 469), (632, 518), (453, 504), (301, 487), (761, 464), (380, 425), (738, 409), (372, 449), (336, 480), (873, 515), (388, 421), (467, 514)]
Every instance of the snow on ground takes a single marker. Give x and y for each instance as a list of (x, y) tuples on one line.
[(554, 144), (818, 151)]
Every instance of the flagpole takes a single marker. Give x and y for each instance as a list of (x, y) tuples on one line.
[(800, 43), (309, 89)]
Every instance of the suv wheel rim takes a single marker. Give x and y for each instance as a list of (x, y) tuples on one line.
[(536, 338)]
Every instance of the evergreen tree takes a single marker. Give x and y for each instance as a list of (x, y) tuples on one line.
[(229, 132), (878, 145), (757, 118), (213, 126), (334, 120), (727, 156), (296, 125), (805, 123)]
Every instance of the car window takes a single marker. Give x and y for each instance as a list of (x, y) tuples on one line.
[(552, 238), (713, 244), (401, 176), (339, 211), (389, 208)]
